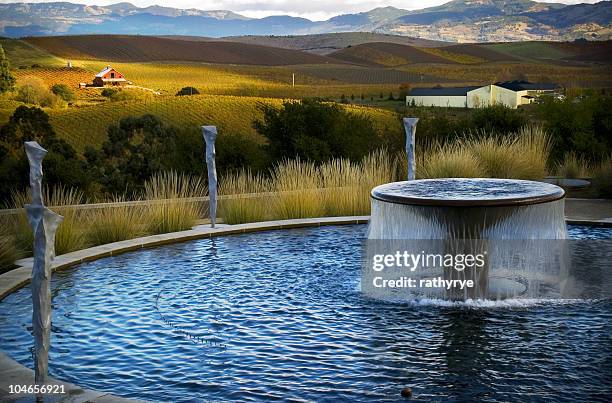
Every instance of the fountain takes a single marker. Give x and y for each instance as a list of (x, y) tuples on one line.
[(515, 227)]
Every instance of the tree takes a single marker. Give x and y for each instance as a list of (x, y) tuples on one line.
[(62, 164), (316, 131), (497, 118), (64, 92), (7, 80), (187, 91), (136, 149), (404, 89)]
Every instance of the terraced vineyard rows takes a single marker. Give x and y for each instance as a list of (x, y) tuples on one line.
[(88, 125), (53, 75), (372, 75)]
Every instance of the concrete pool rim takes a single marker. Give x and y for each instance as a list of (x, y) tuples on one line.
[(471, 192)]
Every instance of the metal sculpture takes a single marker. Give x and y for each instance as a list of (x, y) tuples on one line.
[(210, 134), (44, 224), (410, 127)]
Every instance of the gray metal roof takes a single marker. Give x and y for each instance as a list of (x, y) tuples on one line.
[(442, 91), (104, 71), (521, 85)]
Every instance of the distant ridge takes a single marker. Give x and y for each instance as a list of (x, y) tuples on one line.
[(455, 21)]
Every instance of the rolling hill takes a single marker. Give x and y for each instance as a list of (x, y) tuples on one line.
[(324, 44), (386, 54), (125, 48)]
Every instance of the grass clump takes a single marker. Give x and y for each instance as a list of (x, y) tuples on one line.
[(602, 179), (70, 233), (297, 184), (341, 181), (171, 209), (115, 223), (8, 251), (451, 161), (522, 155), (531, 147), (376, 168), (573, 167), (249, 201)]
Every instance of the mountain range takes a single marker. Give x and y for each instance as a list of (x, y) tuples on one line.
[(455, 21)]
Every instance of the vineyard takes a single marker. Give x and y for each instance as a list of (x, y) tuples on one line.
[(52, 75), (386, 54), (231, 114), (231, 93), (370, 75)]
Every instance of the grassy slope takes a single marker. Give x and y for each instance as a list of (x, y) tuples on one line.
[(530, 50), (22, 54)]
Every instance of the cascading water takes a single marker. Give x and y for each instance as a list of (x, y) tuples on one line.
[(517, 225)]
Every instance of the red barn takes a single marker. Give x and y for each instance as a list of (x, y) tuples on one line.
[(109, 76)]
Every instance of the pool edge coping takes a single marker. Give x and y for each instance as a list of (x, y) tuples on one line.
[(13, 373)]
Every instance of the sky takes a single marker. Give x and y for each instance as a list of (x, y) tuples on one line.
[(315, 10)]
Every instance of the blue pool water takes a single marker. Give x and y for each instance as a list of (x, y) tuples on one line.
[(277, 316)]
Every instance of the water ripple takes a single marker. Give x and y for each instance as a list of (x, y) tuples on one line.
[(277, 316)]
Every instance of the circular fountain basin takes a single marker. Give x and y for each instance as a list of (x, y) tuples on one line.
[(465, 216), (468, 192), (279, 315)]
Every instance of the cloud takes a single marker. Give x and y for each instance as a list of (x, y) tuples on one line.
[(311, 9)]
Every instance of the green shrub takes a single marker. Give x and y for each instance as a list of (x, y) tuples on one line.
[(187, 91), (64, 92), (579, 125), (497, 119), (316, 131), (108, 92)]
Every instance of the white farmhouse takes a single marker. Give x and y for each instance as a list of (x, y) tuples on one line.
[(509, 93)]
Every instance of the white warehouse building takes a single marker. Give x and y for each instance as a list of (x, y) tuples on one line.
[(509, 93)]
